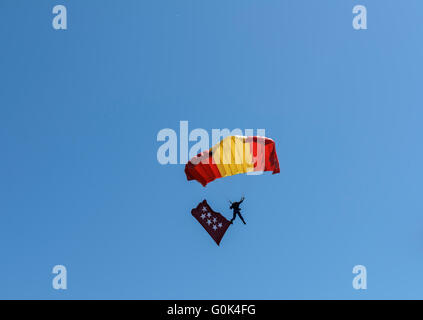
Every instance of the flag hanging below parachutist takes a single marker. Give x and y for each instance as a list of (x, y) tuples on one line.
[(214, 223)]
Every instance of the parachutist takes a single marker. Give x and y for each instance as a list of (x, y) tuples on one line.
[(237, 210)]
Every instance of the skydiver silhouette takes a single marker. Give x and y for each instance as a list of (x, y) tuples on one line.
[(237, 211)]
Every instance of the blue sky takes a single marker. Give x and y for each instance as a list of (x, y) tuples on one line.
[(81, 186)]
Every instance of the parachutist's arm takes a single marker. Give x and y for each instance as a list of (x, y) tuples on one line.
[(242, 199)]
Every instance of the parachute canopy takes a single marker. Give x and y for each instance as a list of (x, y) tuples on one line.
[(233, 155)]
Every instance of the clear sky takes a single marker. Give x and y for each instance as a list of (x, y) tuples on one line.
[(80, 184)]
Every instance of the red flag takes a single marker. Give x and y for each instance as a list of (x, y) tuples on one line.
[(214, 223)]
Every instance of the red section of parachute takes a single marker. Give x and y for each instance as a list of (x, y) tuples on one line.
[(204, 171), (268, 162)]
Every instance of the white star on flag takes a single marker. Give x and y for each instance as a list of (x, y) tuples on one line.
[(220, 225), (208, 214), (209, 222), (204, 209), (203, 216), (214, 219), (214, 227)]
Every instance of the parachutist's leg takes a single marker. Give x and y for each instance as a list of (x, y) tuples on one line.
[(233, 218), (241, 218)]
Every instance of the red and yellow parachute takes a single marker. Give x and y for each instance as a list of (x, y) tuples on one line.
[(233, 155)]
